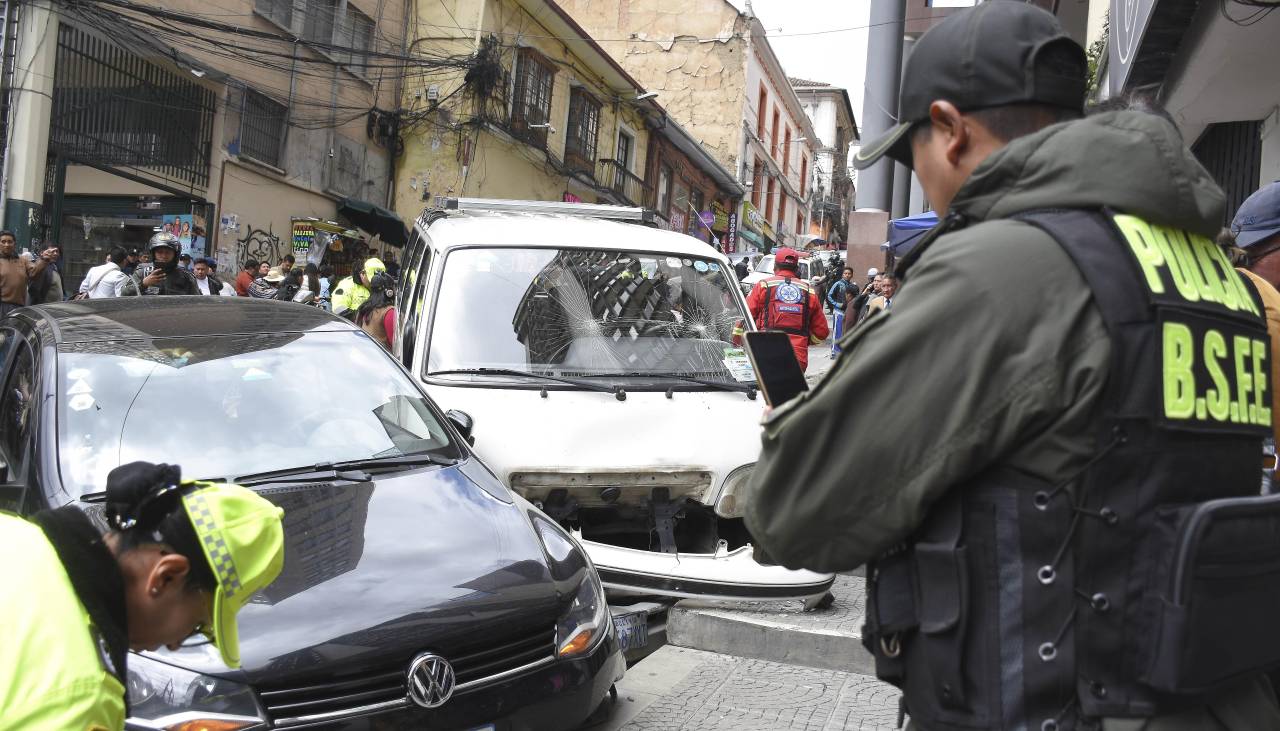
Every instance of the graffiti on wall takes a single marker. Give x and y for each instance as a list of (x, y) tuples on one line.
[(261, 245)]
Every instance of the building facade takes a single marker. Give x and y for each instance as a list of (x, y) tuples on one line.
[(716, 74), (831, 113), (1212, 68), (692, 192), (534, 117), (225, 127)]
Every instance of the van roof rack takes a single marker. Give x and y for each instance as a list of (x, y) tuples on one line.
[(579, 210)]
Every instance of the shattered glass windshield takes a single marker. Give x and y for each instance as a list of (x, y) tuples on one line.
[(585, 313)]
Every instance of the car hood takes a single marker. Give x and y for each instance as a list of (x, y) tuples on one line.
[(517, 430), (376, 572)]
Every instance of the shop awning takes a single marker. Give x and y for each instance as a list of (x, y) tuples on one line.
[(905, 233), (753, 238), (375, 220)]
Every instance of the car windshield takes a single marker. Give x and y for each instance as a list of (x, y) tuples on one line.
[(234, 405), (765, 264), (587, 312)]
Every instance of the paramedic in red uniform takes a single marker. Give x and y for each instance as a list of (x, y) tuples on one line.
[(787, 303)]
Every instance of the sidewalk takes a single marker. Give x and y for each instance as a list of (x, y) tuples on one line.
[(678, 689)]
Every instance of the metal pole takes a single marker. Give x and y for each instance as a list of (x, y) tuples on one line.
[(902, 173), (34, 66), (880, 102)]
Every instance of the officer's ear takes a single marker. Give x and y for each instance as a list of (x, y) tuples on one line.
[(168, 573)]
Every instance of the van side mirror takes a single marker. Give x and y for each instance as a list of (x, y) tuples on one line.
[(463, 422)]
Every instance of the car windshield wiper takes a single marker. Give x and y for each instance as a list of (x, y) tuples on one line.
[(748, 388), (395, 460), (617, 391), (323, 472)]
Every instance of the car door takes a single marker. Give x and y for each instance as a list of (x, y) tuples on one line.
[(412, 314), (17, 418)]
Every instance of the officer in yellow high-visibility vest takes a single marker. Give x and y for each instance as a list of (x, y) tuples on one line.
[(352, 291), (76, 601)]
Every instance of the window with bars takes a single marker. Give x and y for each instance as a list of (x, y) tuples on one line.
[(355, 32), (531, 105), (281, 11), (262, 125), (318, 24), (584, 126)]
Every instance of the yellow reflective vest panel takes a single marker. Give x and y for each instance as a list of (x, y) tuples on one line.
[(347, 295), (53, 669)]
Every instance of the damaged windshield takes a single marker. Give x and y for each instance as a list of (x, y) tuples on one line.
[(587, 312)]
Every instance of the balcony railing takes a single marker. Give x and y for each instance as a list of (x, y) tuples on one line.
[(578, 161), (625, 184)]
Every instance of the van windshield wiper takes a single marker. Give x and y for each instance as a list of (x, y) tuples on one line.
[(617, 391), (748, 388)]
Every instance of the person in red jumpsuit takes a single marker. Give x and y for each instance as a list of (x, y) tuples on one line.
[(787, 303)]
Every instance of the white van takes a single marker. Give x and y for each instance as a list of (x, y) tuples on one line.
[(600, 364)]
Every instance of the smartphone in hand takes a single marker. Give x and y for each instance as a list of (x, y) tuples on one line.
[(777, 370)]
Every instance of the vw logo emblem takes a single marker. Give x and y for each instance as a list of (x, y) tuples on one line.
[(430, 680)]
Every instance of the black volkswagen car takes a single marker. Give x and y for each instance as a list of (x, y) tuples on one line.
[(417, 591)]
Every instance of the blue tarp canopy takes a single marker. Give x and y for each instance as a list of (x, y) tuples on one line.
[(905, 232)]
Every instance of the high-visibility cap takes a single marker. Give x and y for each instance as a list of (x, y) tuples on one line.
[(242, 535)]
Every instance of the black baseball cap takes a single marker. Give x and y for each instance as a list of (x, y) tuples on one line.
[(991, 55)]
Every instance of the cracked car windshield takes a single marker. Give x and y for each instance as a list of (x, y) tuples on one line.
[(587, 312), (229, 406)]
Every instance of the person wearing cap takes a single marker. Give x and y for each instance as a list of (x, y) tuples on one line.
[(785, 302), (179, 559), (352, 291), (1255, 234), (163, 276), (267, 285), (1069, 368)]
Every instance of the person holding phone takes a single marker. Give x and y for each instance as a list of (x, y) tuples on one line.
[(17, 272), (787, 303)]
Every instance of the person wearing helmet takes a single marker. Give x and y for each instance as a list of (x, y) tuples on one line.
[(352, 291), (179, 559), (786, 302), (163, 275)]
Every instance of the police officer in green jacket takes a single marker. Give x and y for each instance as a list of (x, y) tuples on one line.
[(180, 559), (352, 291), (1058, 500)]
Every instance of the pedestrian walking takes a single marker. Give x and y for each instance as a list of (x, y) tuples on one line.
[(286, 263), (106, 279), (1047, 542), (377, 314), (77, 601), (884, 300), (228, 289), (787, 303), (309, 292), (289, 286), (326, 286), (836, 298), (16, 272), (162, 276), (184, 261)]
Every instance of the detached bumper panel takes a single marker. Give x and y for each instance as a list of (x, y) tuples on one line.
[(725, 576)]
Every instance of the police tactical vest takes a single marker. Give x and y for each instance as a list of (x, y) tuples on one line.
[(1139, 585), (786, 306)]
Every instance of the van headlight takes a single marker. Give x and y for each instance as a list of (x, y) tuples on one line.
[(586, 621), (734, 492), (166, 697)]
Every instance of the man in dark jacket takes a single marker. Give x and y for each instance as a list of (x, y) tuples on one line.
[(1012, 528), (163, 276)]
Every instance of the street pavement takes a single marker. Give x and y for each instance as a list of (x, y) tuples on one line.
[(760, 666)]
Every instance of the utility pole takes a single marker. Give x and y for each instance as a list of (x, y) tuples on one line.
[(880, 103), (28, 144)]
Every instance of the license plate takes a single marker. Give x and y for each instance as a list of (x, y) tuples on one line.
[(633, 630)]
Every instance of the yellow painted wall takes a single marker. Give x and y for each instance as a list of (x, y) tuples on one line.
[(501, 166)]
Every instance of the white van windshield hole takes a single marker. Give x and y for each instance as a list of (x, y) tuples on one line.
[(587, 313)]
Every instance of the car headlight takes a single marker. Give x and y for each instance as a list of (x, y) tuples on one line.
[(734, 492), (586, 622), (166, 697)]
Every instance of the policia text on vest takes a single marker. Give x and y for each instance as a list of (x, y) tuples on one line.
[(1214, 373)]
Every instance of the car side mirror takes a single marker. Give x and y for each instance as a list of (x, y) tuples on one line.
[(463, 422)]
